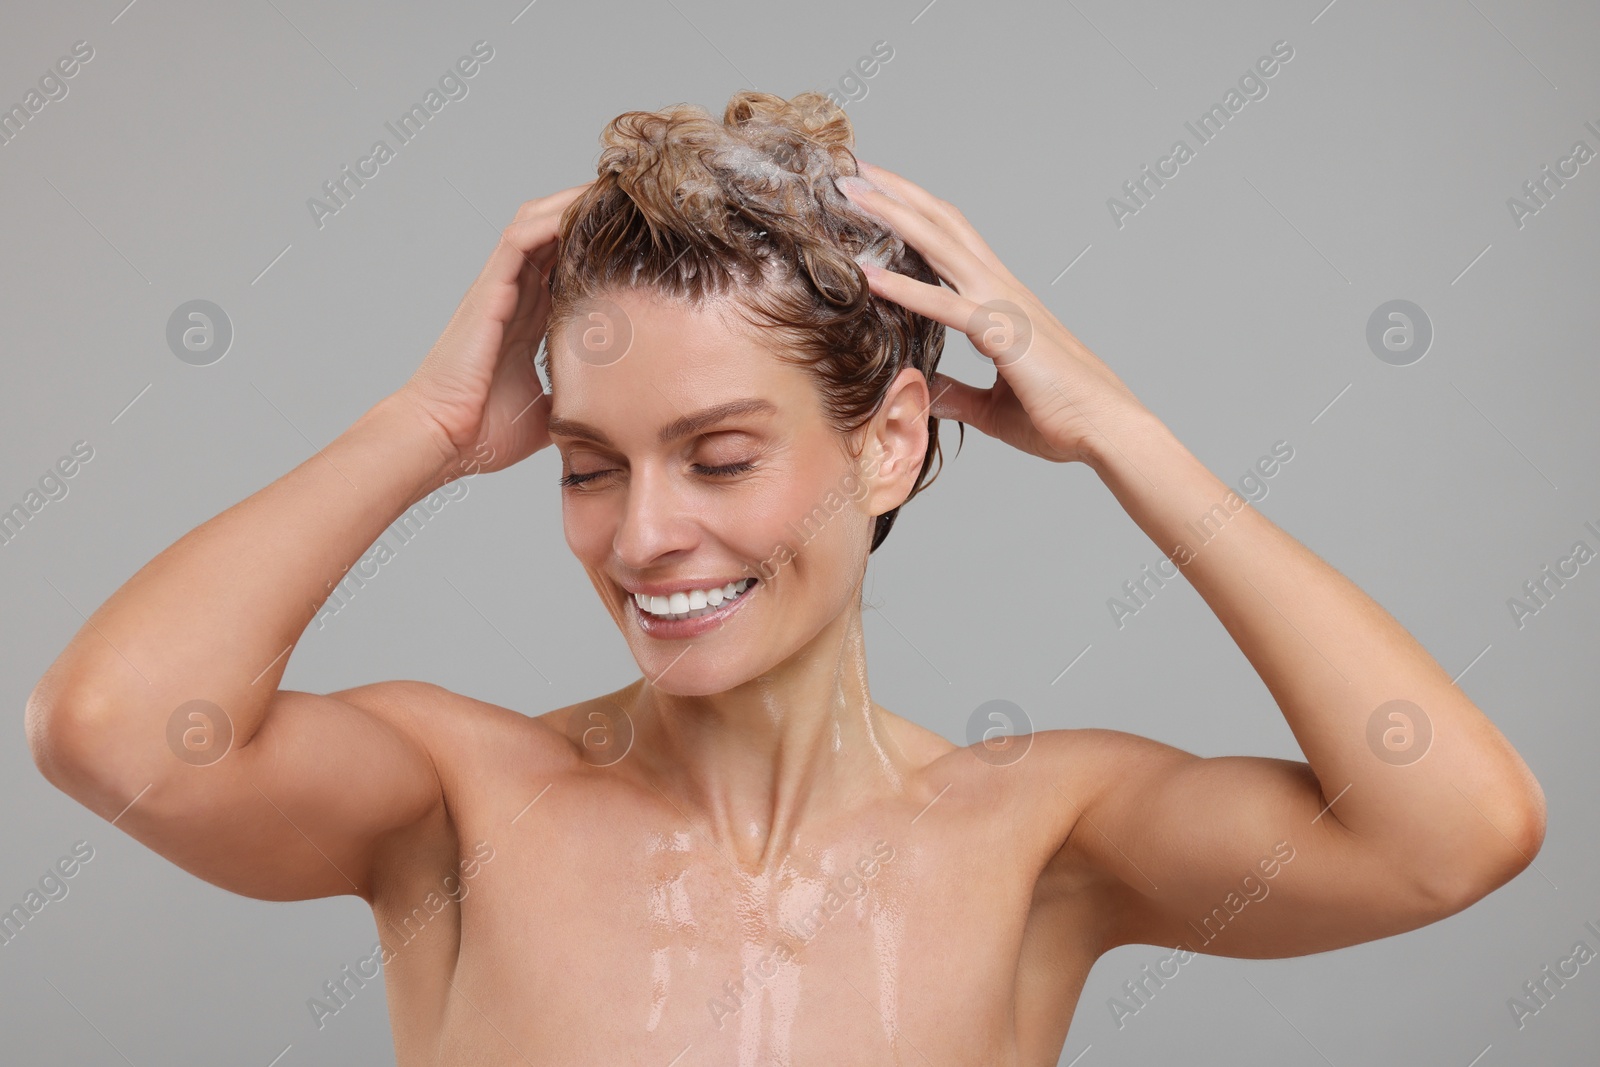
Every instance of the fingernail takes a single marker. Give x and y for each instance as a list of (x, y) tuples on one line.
[(850, 184)]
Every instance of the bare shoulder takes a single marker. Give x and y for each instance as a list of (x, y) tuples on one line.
[(1076, 771), (458, 732)]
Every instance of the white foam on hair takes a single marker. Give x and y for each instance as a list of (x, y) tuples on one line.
[(759, 167)]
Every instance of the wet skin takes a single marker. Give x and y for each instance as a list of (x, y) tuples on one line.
[(744, 859), (610, 926), (645, 877)]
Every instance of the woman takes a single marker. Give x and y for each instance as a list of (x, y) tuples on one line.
[(740, 857)]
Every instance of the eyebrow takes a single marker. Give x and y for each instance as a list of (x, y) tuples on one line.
[(672, 431)]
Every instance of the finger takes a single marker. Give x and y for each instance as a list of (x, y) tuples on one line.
[(995, 333), (959, 402), (937, 302), (497, 289), (947, 254), (935, 207), (533, 298), (537, 224)]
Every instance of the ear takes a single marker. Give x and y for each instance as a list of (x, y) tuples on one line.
[(894, 443)]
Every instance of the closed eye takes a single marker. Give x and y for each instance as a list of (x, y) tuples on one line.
[(726, 470)]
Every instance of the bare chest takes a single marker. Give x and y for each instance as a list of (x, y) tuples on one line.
[(590, 929), (591, 920)]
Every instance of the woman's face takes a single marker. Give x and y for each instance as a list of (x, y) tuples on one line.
[(666, 499)]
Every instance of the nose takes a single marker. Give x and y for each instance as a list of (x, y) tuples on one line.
[(655, 522)]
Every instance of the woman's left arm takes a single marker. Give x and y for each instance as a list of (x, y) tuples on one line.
[(1447, 822)]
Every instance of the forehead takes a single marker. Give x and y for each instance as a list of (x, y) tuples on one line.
[(631, 357)]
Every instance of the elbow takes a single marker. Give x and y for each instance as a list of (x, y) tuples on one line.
[(50, 734), (1502, 845), (67, 735)]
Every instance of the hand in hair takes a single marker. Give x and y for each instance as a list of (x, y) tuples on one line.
[(478, 385), (1052, 397)]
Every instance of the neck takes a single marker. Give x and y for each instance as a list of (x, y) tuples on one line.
[(790, 746)]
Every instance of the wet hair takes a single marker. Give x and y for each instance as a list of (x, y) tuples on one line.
[(696, 211)]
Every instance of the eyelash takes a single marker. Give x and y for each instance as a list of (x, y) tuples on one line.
[(727, 470)]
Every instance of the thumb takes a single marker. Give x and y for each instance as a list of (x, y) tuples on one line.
[(958, 401)]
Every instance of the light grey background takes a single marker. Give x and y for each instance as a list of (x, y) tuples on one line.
[(1234, 303)]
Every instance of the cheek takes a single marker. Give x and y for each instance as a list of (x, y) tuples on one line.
[(806, 522), (588, 528)]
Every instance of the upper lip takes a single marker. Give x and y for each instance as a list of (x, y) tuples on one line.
[(667, 589)]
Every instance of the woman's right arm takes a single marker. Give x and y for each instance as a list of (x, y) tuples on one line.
[(297, 805)]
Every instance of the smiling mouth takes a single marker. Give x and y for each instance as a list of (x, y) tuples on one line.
[(692, 604)]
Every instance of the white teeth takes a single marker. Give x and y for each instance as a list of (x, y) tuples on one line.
[(691, 603)]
